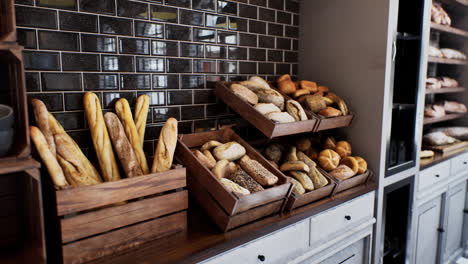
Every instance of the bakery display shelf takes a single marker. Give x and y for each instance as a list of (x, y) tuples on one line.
[(448, 29), (255, 118), (89, 222), (16, 165), (226, 209), (447, 117), (7, 21), (447, 61), (463, 3), (448, 147), (441, 157), (446, 90)]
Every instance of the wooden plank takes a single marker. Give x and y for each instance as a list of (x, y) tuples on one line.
[(255, 214), (447, 117), (449, 29), (446, 90), (130, 237), (85, 225), (89, 197), (7, 21), (447, 61), (11, 165)]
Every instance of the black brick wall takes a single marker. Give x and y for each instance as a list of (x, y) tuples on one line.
[(172, 50)]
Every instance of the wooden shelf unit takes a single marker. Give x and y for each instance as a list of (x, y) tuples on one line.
[(446, 90), (447, 117), (15, 165), (447, 61), (456, 2), (7, 21), (448, 29)]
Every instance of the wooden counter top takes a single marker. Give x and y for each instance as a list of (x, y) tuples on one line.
[(438, 158), (203, 240)]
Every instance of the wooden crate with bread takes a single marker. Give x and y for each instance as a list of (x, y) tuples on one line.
[(94, 210), (229, 179)]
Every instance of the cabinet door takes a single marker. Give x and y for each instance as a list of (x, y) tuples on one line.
[(454, 218), (427, 233)]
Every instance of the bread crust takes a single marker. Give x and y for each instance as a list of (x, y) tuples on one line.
[(141, 115), (167, 142), (41, 116)]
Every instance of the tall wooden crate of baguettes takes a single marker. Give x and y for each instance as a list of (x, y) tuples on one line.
[(87, 223)]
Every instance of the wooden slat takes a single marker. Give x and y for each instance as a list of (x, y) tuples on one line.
[(130, 237), (12, 165), (446, 90), (100, 221), (447, 61), (448, 29), (7, 21), (447, 117), (89, 197)]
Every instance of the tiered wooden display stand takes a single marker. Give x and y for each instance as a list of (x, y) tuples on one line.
[(21, 220)]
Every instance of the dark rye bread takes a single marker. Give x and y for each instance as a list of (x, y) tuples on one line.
[(243, 179)]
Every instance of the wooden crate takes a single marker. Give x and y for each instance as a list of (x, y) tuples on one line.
[(325, 123), (13, 93), (90, 222), (225, 208), (297, 200), (7, 21), (343, 185), (265, 125)]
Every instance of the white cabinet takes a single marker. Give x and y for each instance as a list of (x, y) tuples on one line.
[(455, 204), (427, 236)]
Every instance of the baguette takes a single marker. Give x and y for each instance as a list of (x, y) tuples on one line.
[(122, 146), (258, 172), (41, 116), (297, 186), (165, 149), (100, 137), (49, 159), (295, 166), (208, 154), (205, 161), (122, 109), (141, 114), (304, 179)]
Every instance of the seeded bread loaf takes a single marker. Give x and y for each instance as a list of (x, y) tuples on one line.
[(258, 172), (243, 179)]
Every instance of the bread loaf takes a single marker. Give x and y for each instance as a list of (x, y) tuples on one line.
[(223, 169), (297, 186), (244, 93), (315, 103), (167, 142), (271, 96), (100, 137), (204, 160), (295, 166), (122, 109), (258, 172), (41, 116), (342, 172), (141, 115), (266, 108), (243, 179), (281, 117), (254, 86), (329, 112), (261, 81), (328, 159), (125, 152), (304, 179), (233, 187), (273, 152), (295, 110), (229, 151), (210, 144), (49, 159)]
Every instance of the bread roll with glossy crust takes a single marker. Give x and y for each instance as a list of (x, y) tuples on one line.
[(343, 148), (330, 112), (141, 115), (362, 165), (100, 137), (308, 85), (41, 116), (123, 111), (328, 159), (167, 142)]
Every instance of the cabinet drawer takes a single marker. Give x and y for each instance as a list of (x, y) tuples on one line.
[(275, 248), (433, 175), (345, 216), (459, 164), (353, 254)]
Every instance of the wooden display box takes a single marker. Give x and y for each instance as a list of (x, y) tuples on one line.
[(265, 125), (99, 220), (325, 123), (7, 21), (226, 209), (343, 185), (13, 93), (296, 200)]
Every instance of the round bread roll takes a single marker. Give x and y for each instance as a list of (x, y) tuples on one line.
[(261, 81), (315, 102), (352, 163), (271, 96), (287, 87), (343, 148), (362, 165), (254, 86), (328, 159), (229, 151), (273, 152), (342, 172), (244, 93)]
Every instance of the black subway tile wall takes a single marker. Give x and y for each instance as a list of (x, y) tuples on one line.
[(172, 50)]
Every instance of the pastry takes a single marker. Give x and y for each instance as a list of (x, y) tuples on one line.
[(141, 115), (254, 86), (127, 157), (362, 165), (342, 172), (343, 148), (308, 85), (271, 96), (281, 117), (223, 169), (330, 112), (315, 103), (261, 81), (304, 179), (229, 151), (328, 159), (210, 145), (329, 143), (351, 162), (49, 159), (266, 108), (233, 187), (300, 92), (122, 109), (284, 77), (204, 160), (287, 87), (165, 149), (303, 144), (297, 186), (259, 173), (273, 152), (243, 179), (292, 154), (41, 116), (295, 110), (244, 93), (295, 166), (100, 136)]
